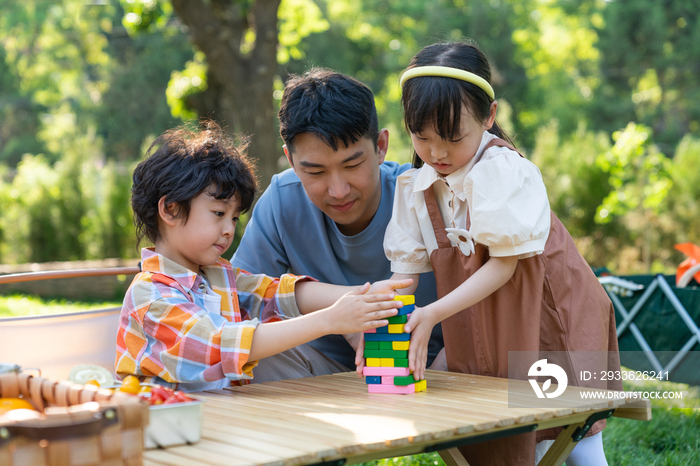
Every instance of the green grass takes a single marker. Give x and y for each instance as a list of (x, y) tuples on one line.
[(27, 305), (671, 438)]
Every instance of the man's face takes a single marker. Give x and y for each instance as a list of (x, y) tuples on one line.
[(344, 184)]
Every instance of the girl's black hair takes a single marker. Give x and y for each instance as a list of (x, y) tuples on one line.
[(438, 101), (180, 165)]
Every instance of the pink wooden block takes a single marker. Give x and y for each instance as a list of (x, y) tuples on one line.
[(399, 371), (387, 380), (393, 389), (372, 330)]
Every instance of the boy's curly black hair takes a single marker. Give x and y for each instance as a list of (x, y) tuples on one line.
[(180, 165)]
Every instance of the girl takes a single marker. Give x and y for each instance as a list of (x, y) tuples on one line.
[(475, 211)]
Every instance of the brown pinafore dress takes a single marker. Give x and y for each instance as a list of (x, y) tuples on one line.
[(553, 302)]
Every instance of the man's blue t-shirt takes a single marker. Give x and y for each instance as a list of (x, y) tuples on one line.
[(288, 233)]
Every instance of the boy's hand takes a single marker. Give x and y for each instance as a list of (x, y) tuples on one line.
[(420, 326), (358, 311)]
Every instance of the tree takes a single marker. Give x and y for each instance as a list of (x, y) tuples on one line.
[(649, 59), (242, 68)]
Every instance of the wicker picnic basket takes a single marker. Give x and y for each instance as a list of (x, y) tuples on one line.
[(80, 425)]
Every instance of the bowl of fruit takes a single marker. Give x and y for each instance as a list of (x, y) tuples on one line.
[(174, 417)]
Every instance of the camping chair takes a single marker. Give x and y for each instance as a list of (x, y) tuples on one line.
[(56, 343), (636, 305), (688, 276)]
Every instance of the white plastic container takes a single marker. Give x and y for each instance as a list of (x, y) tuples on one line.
[(174, 424)]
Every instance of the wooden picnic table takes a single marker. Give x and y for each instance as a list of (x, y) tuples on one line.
[(333, 420)]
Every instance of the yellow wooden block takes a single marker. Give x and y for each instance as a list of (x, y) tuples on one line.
[(396, 328), (400, 345), (373, 362), (405, 298), (387, 362), (421, 385)]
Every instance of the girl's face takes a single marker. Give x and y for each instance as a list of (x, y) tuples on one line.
[(447, 156)]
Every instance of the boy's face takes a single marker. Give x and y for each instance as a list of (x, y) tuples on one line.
[(205, 236), (344, 184)]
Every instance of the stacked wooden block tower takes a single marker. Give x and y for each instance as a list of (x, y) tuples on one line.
[(386, 355)]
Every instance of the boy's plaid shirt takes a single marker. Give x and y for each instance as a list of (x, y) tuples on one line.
[(166, 332)]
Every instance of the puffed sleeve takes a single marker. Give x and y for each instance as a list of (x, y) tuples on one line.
[(403, 240), (508, 205)]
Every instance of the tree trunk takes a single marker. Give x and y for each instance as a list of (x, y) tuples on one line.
[(240, 84)]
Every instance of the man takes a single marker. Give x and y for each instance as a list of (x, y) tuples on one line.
[(326, 216)]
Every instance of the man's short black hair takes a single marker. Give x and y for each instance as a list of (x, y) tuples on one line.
[(180, 165), (334, 107)]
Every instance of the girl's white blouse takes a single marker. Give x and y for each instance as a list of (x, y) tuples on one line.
[(505, 196)]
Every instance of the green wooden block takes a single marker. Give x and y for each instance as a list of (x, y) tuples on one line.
[(386, 354), (400, 362), (374, 344), (385, 345), (404, 380), (398, 319)]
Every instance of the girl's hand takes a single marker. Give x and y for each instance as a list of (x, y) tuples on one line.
[(420, 326), (360, 355), (358, 311)]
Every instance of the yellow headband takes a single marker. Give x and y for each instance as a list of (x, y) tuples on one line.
[(448, 72)]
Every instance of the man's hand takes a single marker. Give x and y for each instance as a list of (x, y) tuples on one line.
[(360, 354), (354, 339), (390, 286)]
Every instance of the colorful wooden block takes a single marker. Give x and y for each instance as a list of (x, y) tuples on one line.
[(398, 319), (373, 344), (399, 345), (405, 298), (373, 379), (387, 362), (406, 310), (373, 362), (400, 362), (421, 385), (385, 371), (395, 328), (387, 336), (384, 329), (385, 354), (388, 380), (385, 344), (392, 389), (404, 380)]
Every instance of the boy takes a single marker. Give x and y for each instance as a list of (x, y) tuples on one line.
[(190, 318)]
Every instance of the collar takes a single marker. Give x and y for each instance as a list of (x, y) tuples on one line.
[(152, 262), (427, 175)]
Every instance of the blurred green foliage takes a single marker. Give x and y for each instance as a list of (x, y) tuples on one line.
[(603, 96)]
